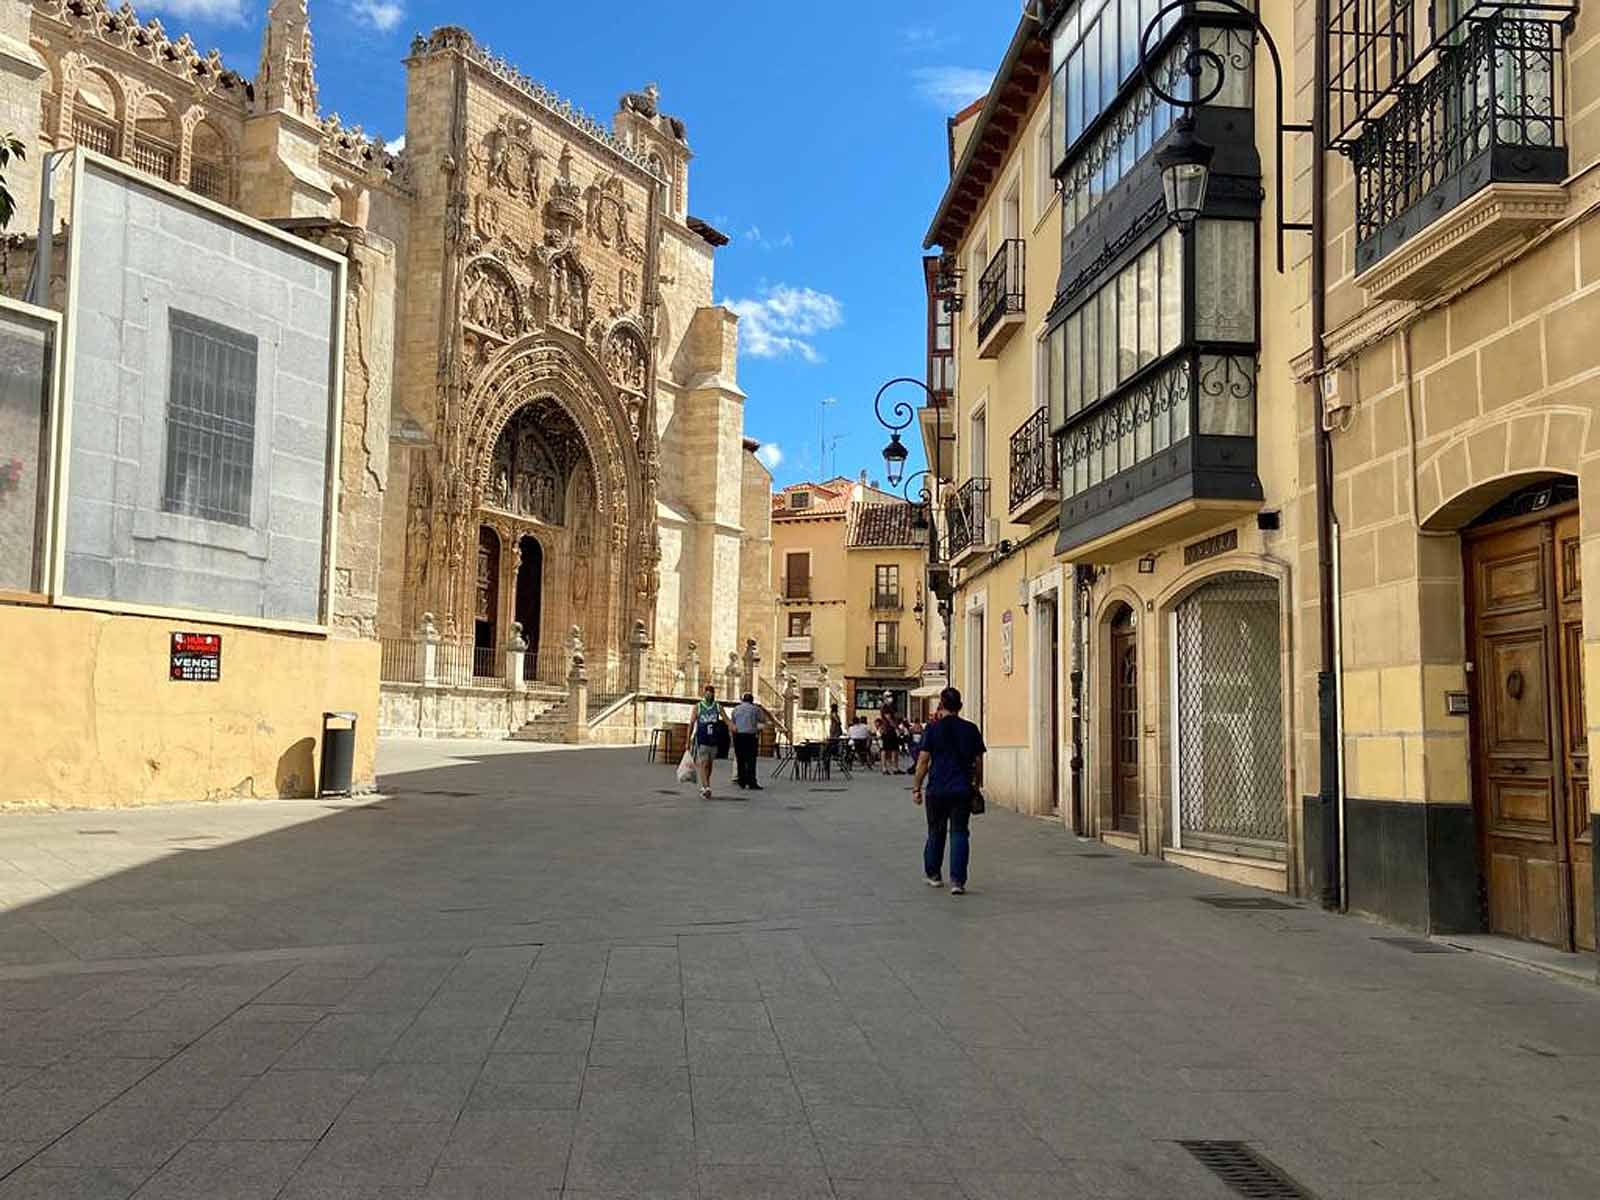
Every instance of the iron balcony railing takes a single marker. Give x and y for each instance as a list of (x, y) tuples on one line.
[(967, 516), (797, 587), (1489, 111), (889, 658), (1035, 462), (886, 599), (1001, 289)]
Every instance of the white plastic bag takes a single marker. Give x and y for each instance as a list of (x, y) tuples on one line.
[(686, 767)]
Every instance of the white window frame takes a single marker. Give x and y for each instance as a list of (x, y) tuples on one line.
[(1044, 183), (78, 161), (42, 565), (978, 257)]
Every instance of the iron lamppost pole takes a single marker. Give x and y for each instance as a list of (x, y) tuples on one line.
[(895, 455)]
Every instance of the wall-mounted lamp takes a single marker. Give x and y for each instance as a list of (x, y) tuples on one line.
[(1147, 565)]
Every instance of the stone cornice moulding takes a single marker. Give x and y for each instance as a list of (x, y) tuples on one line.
[(452, 39), (1466, 238), (1370, 325), (147, 44), (21, 59)]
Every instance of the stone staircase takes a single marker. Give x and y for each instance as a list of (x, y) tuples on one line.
[(548, 726)]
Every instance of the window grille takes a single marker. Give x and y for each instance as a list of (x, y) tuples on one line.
[(211, 421), (212, 180), (1230, 717)]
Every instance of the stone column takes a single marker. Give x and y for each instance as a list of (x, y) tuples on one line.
[(691, 669), (731, 676), (516, 658), (577, 692), (428, 652), (638, 647), (752, 665)]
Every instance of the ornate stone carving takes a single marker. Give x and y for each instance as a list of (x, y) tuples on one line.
[(287, 79), (568, 293), (120, 28), (489, 300), (563, 212), (513, 162), (608, 213), (627, 361)]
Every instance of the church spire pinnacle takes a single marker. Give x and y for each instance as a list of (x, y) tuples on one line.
[(287, 81)]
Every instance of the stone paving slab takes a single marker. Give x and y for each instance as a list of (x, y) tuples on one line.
[(557, 975)]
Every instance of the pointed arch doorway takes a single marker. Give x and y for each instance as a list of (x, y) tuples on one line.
[(528, 606)]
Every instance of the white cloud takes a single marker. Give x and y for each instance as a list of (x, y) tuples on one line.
[(771, 456), (396, 146), (922, 38), (754, 236), (951, 87), (782, 322), (383, 15), (227, 11)]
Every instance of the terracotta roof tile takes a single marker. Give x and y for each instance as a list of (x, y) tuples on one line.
[(880, 525)]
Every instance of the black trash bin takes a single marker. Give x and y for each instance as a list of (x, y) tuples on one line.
[(338, 753)]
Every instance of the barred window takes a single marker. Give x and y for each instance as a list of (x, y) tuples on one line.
[(211, 421)]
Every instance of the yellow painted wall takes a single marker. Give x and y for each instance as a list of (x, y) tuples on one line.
[(93, 720), (824, 538), (861, 621)]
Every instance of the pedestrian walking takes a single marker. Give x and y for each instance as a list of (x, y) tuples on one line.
[(710, 733), (747, 722), (948, 783)]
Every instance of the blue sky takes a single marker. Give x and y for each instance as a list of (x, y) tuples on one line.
[(819, 137)]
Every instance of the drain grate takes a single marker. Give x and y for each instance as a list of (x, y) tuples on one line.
[(99, 833), (1246, 903), (1094, 855), (1415, 945), (1246, 1171), (1152, 866), (838, 790)]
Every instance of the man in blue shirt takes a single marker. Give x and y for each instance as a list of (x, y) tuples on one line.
[(949, 771), (747, 741)]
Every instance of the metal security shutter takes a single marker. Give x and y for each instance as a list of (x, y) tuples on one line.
[(1229, 735)]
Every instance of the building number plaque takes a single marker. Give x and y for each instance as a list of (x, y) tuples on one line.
[(196, 657)]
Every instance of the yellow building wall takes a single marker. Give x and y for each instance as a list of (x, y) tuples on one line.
[(1009, 390), (861, 620), (823, 537), (94, 721)]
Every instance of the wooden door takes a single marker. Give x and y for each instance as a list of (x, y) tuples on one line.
[(1125, 724), (1521, 767), (1575, 734)]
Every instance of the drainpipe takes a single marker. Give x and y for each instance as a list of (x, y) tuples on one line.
[(1330, 870), (1080, 824)]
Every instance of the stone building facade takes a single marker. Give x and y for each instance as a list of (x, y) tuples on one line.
[(1461, 385), (543, 426)]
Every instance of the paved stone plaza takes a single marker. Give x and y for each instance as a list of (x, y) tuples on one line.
[(557, 973)]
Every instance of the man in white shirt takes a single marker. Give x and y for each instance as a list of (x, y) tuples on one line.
[(861, 739), (746, 718)]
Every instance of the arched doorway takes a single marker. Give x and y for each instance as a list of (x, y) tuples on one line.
[(485, 640), (530, 601), (1227, 710), (1524, 594), (1126, 794)]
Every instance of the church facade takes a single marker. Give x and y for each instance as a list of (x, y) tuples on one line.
[(535, 431)]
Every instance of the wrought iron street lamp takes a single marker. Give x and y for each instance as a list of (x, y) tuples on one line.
[(895, 455), (1185, 164), (1185, 161)]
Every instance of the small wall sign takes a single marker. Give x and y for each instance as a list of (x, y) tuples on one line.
[(196, 657), (1007, 643), (1457, 704), (1212, 547)]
